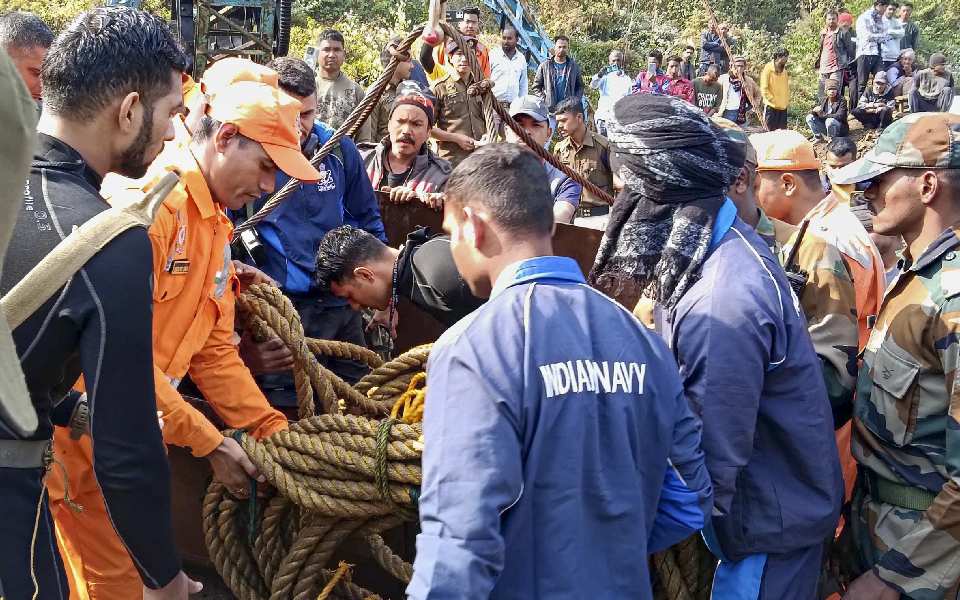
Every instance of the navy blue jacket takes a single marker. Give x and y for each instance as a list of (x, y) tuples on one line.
[(291, 234), (553, 419), (750, 373)]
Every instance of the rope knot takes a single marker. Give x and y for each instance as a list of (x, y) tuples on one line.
[(383, 442), (480, 88)]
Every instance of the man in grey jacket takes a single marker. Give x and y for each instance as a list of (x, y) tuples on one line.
[(559, 77)]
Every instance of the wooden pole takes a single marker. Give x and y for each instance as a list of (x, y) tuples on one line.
[(726, 48)]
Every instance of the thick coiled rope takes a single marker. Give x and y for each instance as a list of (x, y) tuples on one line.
[(350, 473)]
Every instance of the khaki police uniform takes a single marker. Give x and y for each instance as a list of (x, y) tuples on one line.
[(457, 112), (592, 161)]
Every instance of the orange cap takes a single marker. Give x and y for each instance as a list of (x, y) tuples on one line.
[(227, 71), (784, 150), (266, 115)]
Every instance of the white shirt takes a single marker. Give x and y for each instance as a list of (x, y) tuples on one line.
[(509, 75), (890, 48), (870, 33), (612, 86), (731, 96)]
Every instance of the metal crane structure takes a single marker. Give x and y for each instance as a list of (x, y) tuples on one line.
[(534, 41), (212, 29)]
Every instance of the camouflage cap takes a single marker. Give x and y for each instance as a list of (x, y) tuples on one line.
[(917, 141)]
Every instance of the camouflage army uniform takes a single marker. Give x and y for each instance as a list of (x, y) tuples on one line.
[(829, 301), (457, 112), (906, 431), (840, 300), (906, 428)]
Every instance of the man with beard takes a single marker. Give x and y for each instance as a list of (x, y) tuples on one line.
[(559, 76), (249, 131), (748, 367), (111, 83), (739, 92)]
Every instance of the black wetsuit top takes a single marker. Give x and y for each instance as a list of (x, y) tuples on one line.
[(428, 277), (98, 325)]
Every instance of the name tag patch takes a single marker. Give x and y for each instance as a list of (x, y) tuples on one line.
[(180, 266), (595, 377)]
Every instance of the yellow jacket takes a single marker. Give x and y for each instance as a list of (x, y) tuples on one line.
[(775, 87)]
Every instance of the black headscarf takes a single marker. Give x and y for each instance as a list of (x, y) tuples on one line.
[(676, 166)]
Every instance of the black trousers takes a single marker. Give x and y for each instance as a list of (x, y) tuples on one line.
[(20, 491), (873, 120), (852, 84), (866, 66), (340, 323), (775, 118)]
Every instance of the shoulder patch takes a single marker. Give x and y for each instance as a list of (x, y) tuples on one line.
[(950, 280)]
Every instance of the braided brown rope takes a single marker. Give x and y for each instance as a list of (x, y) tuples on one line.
[(337, 476), (349, 127), (387, 559), (269, 313), (683, 572), (359, 114), (490, 103)]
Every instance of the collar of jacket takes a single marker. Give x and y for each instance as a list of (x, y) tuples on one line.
[(53, 152), (185, 164), (420, 163), (538, 268), (945, 242), (588, 142), (455, 76)]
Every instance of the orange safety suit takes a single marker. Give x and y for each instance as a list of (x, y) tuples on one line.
[(440, 61), (194, 289)]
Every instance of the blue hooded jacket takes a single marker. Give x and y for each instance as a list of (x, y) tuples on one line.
[(559, 447), (291, 234), (750, 373)]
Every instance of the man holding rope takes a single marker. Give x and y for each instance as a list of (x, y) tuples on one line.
[(734, 325), (111, 82), (247, 134)]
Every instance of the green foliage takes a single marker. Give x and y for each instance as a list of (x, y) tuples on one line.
[(56, 14), (595, 27)]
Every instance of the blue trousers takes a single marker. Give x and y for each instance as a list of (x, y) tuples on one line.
[(792, 576), (20, 491), (828, 127)]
